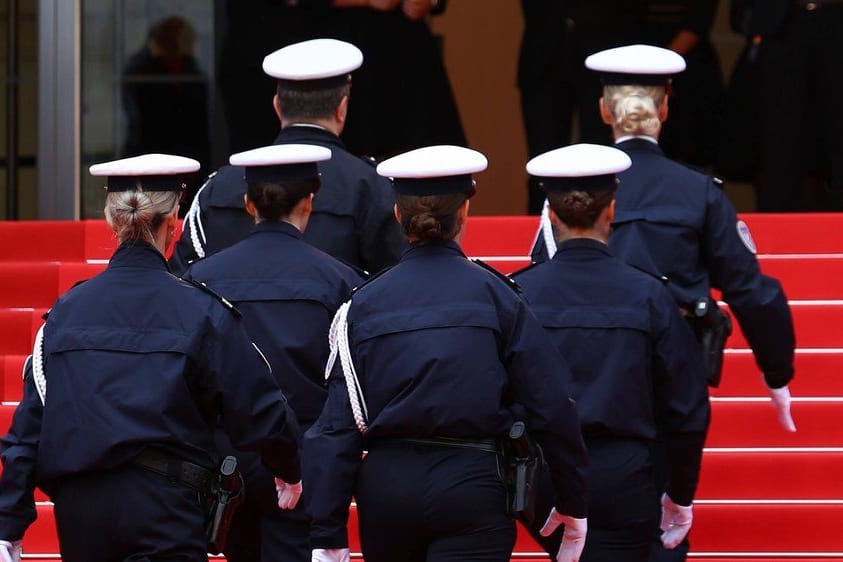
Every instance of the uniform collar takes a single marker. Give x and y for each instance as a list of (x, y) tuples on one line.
[(417, 250), (302, 133), (277, 226), (639, 143), (137, 253), (588, 244)]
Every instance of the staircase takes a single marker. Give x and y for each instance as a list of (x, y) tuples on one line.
[(765, 495)]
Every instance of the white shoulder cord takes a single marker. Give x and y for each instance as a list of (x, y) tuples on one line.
[(194, 221), (38, 365), (546, 230), (338, 341)]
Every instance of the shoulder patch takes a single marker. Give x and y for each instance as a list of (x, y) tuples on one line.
[(221, 299), (371, 278), (508, 280), (746, 236)]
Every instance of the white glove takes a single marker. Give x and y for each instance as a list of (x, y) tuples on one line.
[(781, 401), (573, 539), (330, 555), (10, 551), (288, 494), (676, 522)]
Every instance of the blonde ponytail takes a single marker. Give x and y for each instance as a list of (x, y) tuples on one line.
[(635, 109)]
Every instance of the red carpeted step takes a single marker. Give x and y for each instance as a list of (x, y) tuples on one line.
[(817, 374), (816, 325), (28, 283), (100, 242), (754, 424), (499, 236), (42, 241), (71, 273), (806, 277), (796, 233), (16, 330), (11, 371), (750, 528), (761, 475)]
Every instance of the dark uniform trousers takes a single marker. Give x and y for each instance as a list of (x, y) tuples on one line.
[(623, 509), (128, 514), (418, 503)]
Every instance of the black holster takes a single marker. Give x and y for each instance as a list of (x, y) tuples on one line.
[(712, 326), (225, 497), (523, 466)]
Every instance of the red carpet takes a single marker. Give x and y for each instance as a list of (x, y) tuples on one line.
[(764, 496)]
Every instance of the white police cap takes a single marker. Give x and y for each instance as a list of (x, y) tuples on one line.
[(152, 172), (434, 170), (579, 167), (317, 59), (636, 64), (281, 162)]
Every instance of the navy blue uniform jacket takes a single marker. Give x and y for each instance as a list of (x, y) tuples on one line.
[(134, 358), (673, 221), (636, 367), (352, 216), (288, 292), (442, 347)]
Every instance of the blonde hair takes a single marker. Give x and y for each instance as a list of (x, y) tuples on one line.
[(137, 214), (635, 109)]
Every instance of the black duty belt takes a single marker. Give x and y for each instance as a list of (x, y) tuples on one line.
[(489, 445), (197, 477)]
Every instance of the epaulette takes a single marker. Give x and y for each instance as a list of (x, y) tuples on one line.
[(509, 281), (372, 278), (358, 270), (525, 268), (663, 279), (221, 299)]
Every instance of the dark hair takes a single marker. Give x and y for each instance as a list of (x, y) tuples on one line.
[(275, 200), (580, 209), (430, 217), (298, 104)]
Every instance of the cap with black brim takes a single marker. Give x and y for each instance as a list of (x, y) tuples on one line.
[(434, 170), (644, 65), (281, 162), (148, 172), (579, 167)]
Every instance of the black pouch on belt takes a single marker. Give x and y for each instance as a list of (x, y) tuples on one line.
[(524, 465), (226, 496), (713, 326)]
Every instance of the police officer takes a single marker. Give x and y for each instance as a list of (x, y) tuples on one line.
[(660, 201), (288, 292), (677, 223), (434, 360), (139, 367), (352, 213), (632, 359)]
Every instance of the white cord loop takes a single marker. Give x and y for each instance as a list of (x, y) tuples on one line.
[(338, 341), (546, 228), (38, 375), (193, 220)]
